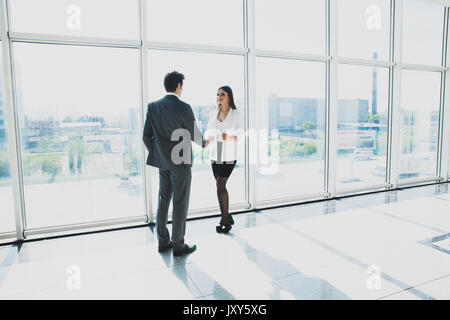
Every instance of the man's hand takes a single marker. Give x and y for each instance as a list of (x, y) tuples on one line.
[(224, 136), (206, 143)]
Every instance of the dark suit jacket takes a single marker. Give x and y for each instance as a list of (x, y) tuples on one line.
[(164, 116)]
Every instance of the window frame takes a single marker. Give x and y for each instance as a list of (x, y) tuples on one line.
[(250, 53)]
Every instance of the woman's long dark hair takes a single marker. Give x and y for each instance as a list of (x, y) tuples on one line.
[(228, 90)]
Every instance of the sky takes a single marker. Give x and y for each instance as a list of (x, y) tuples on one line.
[(204, 74), (99, 18), (58, 80)]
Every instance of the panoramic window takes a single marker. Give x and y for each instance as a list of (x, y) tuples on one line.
[(290, 25), (204, 74), (117, 19), (363, 29), (419, 124), (80, 133), (290, 132), (208, 22), (363, 94), (80, 107), (7, 222), (423, 26)]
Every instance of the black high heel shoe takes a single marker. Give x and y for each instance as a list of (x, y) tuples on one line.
[(219, 228), (225, 228)]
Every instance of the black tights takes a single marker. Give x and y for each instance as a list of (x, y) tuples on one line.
[(222, 195)]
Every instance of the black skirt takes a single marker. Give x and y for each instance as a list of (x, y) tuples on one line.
[(223, 169)]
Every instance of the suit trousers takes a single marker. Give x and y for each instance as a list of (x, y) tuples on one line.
[(176, 183)]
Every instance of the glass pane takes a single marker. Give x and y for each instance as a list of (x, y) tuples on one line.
[(290, 97), (420, 124), (363, 29), (290, 25), (100, 18), (423, 25), (7, 222), (204, 74), (207, 22), (81, 142), (363, 94)]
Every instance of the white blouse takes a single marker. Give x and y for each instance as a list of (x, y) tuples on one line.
[(232, 126)]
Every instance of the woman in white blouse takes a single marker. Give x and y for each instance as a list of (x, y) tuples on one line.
[(224, 126)]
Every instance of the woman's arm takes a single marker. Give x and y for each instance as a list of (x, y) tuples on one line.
[(234, 133)]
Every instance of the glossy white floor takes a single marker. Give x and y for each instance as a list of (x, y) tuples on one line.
[(390, 245)]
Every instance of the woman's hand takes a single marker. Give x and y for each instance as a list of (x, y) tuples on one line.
[(227, 137), (206, 143)]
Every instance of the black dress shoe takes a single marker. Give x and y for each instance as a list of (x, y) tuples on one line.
[(184, 250), (162, 249)]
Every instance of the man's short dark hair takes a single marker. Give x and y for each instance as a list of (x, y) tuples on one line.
[(172, 79)]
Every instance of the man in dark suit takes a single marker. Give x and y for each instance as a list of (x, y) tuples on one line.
[(169, 128)]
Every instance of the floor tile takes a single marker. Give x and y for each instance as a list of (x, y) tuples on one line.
[(308, 210), (427, 212), (8, 255), (301, 287), (404, 295), (98, 242), (427, 191), (220, 295), (170, 283), (438, 289), (364, 238), (373, 246), (374, 199), (242, 221)]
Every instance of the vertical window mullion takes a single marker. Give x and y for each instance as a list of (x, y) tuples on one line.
[(444, 110), (251, 99), (332, 99), (11, 114), (143, 81), (395, 119)]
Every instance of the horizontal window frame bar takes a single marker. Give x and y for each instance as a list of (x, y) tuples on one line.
[(172, 46), (421, 67), (71, 40), (418, 182), (291, 55), (212, 211), (152, 45), (8, 235), (363, 62), (80, 227), (368, 189), (267, 204)]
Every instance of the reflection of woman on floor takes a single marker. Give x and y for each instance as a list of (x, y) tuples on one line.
[(222, 133)]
